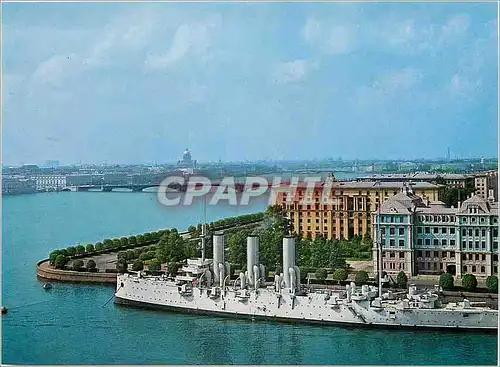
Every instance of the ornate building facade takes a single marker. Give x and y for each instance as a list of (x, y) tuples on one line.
[(421, 237)]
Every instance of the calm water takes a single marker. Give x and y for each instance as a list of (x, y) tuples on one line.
[(68, 324)]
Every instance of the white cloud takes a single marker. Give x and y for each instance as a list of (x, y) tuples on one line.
[(55, 70), (398, 80), (330, 38), (190, 38), (292, 71), (461, 85)]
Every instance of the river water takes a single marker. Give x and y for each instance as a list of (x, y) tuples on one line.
[(69, 325)]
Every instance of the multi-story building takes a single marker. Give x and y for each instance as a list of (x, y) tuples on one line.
[(49, 182), (12, 185), (451, 179), (349, 211), (419, 237), (486, 184)]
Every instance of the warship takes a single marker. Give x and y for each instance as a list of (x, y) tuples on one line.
[(203, 286)]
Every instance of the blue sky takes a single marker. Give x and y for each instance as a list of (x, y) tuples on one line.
[(138, 83)]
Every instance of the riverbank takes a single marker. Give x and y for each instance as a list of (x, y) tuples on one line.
[(45, 271)]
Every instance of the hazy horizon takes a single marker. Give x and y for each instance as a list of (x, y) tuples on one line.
[(137, 83)]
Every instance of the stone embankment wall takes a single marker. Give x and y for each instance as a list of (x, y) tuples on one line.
[(44, 271)]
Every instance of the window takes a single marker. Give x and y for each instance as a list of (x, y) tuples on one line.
[(464, 244), (401, 231), (436, 242), (495, 232), (452, 242), (483, 232), (419, 242), (401, 242), (392, 242), (473, 268), (477, 245), (444, 242), (477, 232), (452, 230), (483, 245), (392, 231), (401, 255), (464, 257), (464, 232), (470, 232), (427, 254), (495, 269), (495, 245), (392, 254), (419, 229), (477, 257), (465, 269), (470, 245), (427, 242), (452, 255), (436, 230), (483, 257), (419, 253), (383, 242), (382, 231), (483, 269), (495, 257), (427, 230)]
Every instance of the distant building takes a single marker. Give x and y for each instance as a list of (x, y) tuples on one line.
[(51, 164), (12, 185), (420, 237), (187, 161), (486, 184), (49, 182), (84, 180), (351, 212), (451, 179)]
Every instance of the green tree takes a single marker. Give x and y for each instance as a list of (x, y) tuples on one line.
[(172, 248), (132, 240), (146, 256), (361, 277), (61, 261), (147, 237), (130, 254), (469, 282), (53, 256), (140, 238), (89, 248), (236, 244), (116, 243), (91, 265), (108, 244), (402, 280), (71, 250), (154, 266), (124, 241), (446, 281), (122, 255), (99, 246), (192, 231), (137, 265), (80, 249), (340, 275), (78, 264), (121, 266), (321, 274), (492, 284), (173, 268)]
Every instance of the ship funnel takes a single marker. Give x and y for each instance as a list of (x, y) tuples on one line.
[(289, 262), (218, 241), (252, 259)]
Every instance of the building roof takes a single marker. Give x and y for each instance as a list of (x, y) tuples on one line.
[(475, 201), (364, 185), (403, 202)]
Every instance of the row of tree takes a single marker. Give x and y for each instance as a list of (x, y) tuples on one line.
[(469, 282), (195, 231)]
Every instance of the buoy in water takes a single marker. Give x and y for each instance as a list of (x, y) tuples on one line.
[(47, 286), (4, 310)]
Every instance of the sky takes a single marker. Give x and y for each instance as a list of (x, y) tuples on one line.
[(134, 83)]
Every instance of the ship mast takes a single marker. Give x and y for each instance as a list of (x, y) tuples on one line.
[(203, 229), (379, 245)]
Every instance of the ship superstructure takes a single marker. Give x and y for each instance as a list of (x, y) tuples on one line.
[(204, 287)]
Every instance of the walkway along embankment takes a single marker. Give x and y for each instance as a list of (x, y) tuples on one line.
[(45, 271)]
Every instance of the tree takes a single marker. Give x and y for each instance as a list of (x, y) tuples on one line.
[(116, 243), (99, 246), (91, 265), (192, 231), (61, 261), (446, 281), (130, 254), (108, 244), (154, 266), (121, 266), (71, 250), (173, 268), (132, 240), (52, 257), (469, 282), (321, 274), (140, 238), (122, 255), (78, 264), (124, 241), (146, 256), (80, 249), (236, 244), (361, 277), (137, 265), (492, 284), (89, 248), (402, 280), (340, 275)]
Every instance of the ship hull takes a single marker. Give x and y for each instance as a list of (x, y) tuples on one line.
[(313, 309)]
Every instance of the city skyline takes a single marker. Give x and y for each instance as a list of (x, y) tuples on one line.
[(138, 83)]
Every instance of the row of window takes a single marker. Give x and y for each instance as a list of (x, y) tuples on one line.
[(435, 242), (393, 266), (469, 245), (392, 254), (392, 242), (436, 230), (436, 218), (443, 254), (476, 257)]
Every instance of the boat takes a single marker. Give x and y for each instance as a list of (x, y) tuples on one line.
[(47, 286), (4, 310), (204, 287)]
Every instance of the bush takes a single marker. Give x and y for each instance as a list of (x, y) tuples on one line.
[(52, 257), (124, 241), (130, 255), (321, 274), (80, 249), (492, 284), (446, 281), (78, 265), (469, 282), (137, 265), (122, 256), (121, 266), (402, 280), (61, 261), (108, 244), (71, 250), (91, 265), (154, 266), (116, 243), (361, 277), (99, 246), (89, 248), (340, 275)]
